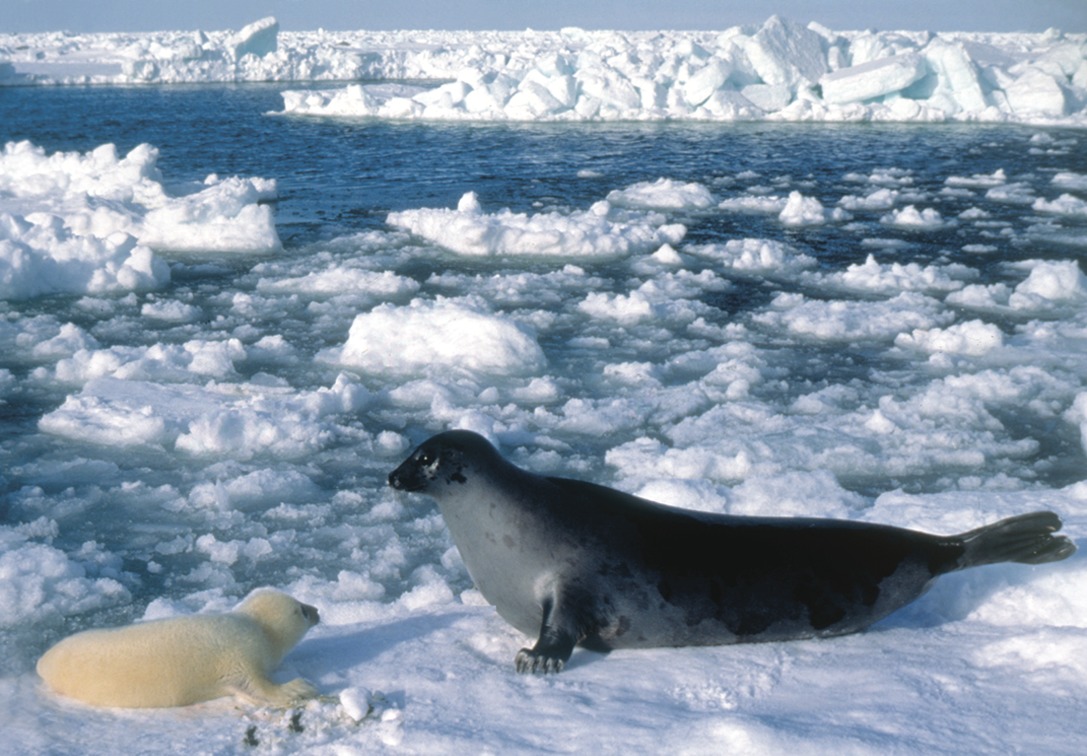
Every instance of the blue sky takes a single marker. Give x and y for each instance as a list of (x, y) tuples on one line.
[(148, 15)]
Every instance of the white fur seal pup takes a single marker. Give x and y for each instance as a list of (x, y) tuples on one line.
[(184, 660), (576, 563)]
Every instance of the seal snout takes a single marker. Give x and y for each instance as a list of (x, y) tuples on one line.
[(406, 478), (396, 480)]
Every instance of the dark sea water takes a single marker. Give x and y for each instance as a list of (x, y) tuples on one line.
[(338, 176)]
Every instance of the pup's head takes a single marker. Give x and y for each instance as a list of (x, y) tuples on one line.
[(284, 618)]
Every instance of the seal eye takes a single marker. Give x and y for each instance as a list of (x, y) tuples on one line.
[(426, 458)]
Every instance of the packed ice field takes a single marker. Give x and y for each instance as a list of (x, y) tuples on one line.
[(780, 70), (192, 408)]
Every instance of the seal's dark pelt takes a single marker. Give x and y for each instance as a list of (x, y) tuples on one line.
[(579, 563)]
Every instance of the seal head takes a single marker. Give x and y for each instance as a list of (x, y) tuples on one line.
[(441, 461)]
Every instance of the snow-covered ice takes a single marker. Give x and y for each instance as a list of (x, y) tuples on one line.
[(443, 336), (93, 223), (602, 231), (781, 70)]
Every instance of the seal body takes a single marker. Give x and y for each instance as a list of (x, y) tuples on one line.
[(572, 562), (184, 660)]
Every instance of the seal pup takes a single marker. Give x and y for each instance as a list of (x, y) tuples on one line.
[(572, 562), (184, 660)]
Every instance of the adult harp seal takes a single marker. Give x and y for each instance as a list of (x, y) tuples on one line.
[(571, 562)]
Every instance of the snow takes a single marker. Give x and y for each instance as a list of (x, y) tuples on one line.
[(781, 70), (875, 278), (123, 410), (923, 219), (40, 580), (601, 232), (756, 256), (443, 336), (805, 211), (97, 222), (664, 194), (241, 430), (973, 338), (834, 320)]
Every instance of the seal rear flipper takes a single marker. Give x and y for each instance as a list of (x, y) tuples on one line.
[(1027, 539)]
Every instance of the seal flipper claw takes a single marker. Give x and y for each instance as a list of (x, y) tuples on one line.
[(529, 660)]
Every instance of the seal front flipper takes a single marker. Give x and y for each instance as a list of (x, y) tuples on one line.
[(562, 628), (259, 690), (554, 646), (550, 654)]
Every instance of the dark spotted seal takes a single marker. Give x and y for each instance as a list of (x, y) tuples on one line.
[(578, 563)]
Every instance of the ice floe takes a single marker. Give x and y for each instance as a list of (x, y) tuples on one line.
[(780, 70), (601, 232), (99, 222)]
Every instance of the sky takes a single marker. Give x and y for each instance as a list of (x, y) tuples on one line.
[(297, 15)]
